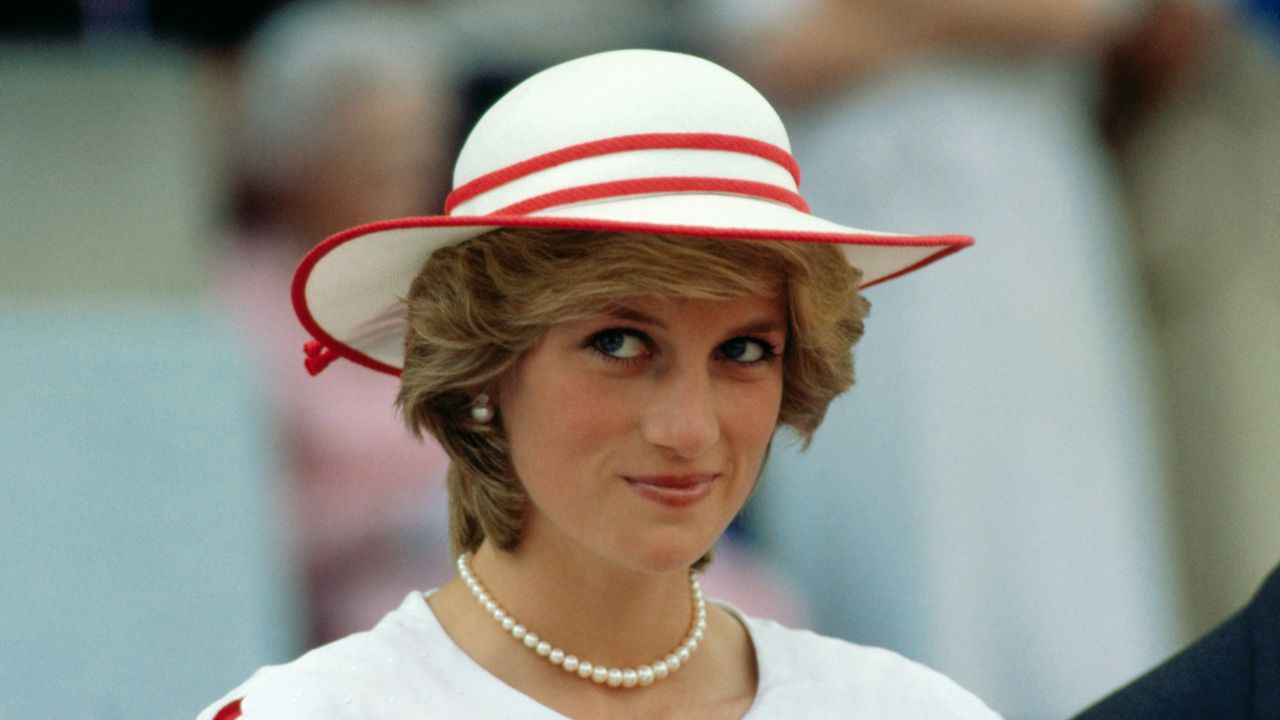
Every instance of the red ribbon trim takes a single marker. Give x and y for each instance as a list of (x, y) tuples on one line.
[(944, 244), (644, 186), (624, 143)]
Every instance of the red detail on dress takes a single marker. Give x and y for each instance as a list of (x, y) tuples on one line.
[(230, 711), (319, 356), (642, 186), (624, 143)]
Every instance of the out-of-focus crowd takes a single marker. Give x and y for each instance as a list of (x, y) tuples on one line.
[(1056, 467)]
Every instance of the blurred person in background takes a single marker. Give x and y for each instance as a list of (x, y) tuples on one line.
[(1008, 516), (1229, 674), (345, 118), (1192, 110)]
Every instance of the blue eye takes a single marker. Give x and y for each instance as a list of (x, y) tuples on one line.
[(746, 350), (619, 344)]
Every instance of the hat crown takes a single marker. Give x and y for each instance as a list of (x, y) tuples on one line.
[(615, 94)]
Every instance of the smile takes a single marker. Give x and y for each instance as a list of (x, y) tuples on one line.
[(673, 490)]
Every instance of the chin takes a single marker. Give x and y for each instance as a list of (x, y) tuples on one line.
[(668, 555)]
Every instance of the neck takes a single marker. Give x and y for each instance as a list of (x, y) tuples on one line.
[(587, 606)]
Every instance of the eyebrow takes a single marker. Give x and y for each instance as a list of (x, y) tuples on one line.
[(755, 327), (622, 312), (760, 327)]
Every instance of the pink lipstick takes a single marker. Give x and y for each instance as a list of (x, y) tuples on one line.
[(673, 491)]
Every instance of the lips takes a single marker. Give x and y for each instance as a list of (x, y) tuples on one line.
[(673, 490)]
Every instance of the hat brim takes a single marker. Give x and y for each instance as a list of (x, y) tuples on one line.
[(349, 290)]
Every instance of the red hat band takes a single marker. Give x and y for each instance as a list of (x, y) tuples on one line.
[(634, 165)]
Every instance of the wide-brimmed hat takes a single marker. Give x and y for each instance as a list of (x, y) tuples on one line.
[(623, 141)]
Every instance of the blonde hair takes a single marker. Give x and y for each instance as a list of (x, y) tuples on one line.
[(477, 307)]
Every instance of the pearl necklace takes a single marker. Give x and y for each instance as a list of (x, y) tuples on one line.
[(613, 677)]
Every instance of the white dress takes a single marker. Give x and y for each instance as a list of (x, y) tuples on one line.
[(408, 667)]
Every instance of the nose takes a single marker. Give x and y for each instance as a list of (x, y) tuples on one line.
[(681, 415)]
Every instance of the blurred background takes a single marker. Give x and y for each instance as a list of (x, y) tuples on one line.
[(1057, 466)]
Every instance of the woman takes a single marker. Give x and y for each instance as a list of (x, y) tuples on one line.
[(623, 303)]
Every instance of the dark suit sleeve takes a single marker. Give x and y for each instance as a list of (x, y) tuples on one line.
[(1231, 673)]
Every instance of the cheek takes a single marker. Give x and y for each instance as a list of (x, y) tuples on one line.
[(562, 426), (756, 420), (577, 407)]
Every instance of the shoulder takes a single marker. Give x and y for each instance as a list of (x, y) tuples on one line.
[(801, 669), (1222, 674), (378, 673)]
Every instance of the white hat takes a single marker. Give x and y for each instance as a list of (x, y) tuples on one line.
[(623, 141)]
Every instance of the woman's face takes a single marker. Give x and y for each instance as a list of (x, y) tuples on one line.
[(639, 433)]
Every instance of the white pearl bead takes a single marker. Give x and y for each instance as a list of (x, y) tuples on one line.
[(683, 654), (586, 669), (673, 662), (543, 649), (518, 632), (490, 606), (691, 644), (531, 640), (660, 670), (614, 678), (698, 633), (499, 614), (556, 656), (644, 676), (508, 623), (599, 675), (630, 678), (570, 663)]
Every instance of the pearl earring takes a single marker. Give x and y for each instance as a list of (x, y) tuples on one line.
[(481, 410)]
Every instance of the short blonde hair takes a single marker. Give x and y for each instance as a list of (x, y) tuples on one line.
[(477, 307)]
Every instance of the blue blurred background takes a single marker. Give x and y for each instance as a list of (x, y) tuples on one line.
[(1057, 466)]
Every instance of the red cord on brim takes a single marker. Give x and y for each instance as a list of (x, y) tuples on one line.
[(319, 356)]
